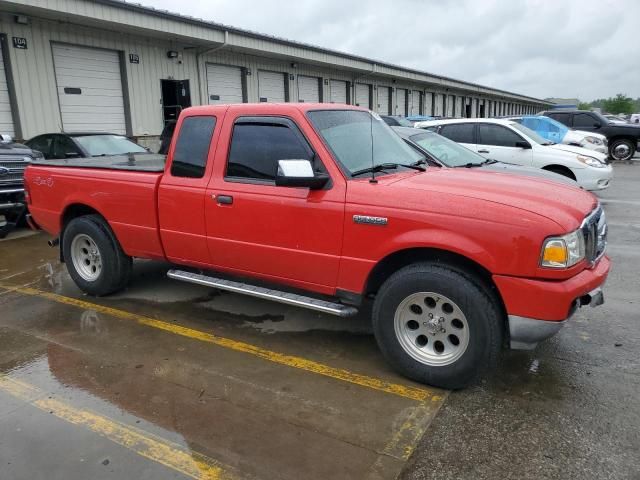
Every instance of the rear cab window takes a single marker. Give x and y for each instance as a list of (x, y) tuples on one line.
[(192, 148)]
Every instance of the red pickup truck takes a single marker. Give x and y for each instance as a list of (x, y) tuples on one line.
[(325, 207)]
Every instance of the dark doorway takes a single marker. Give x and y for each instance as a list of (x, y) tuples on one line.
[(482, 110), (467, 111), (176, 96)]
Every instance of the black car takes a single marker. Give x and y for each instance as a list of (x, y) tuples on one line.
[(442, 152), (60, 146), (14, 158), (623, 139)]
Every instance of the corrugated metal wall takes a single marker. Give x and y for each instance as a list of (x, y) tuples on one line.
[(36, 92)]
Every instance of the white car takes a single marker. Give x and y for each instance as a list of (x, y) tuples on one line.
[(509, 142)]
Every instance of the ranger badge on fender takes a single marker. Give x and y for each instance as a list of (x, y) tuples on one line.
[(370, 220)]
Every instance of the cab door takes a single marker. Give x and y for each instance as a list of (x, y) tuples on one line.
[(182, 189), (498, 142), (286, 234)]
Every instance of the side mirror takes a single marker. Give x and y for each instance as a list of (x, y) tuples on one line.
[(525, 145), (299, 173)]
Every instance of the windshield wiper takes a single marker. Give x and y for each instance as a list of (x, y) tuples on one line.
[(386, 166), (471, 165), (489, 161)]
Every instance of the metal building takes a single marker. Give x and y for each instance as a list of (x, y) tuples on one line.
[(107, 65)]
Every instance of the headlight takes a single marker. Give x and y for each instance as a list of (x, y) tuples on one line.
[(563, 252), (590, 161), (593, 140)]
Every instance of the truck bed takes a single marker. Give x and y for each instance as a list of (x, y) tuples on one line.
[(137, 162)]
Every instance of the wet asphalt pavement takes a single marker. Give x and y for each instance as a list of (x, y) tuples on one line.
[(168, 380), (569, 409)]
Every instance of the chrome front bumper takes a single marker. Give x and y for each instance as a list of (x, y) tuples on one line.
[(525, 333)]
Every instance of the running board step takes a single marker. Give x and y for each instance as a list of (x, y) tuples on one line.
[(265, 293)]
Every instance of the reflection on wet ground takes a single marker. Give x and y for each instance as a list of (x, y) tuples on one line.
[(246, 388)]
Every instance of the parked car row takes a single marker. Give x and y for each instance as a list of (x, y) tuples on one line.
[(623, 139), (510, 142)]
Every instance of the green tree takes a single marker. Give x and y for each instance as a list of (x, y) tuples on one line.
[(618, 104), (584, 106)]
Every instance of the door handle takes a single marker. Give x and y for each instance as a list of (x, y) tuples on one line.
[(483, 151), (223, 199)]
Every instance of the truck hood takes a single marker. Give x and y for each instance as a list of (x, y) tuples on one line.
[(578, 151), (563, 204)]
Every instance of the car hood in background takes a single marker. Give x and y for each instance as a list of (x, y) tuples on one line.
[(578, 151), (529, 172)]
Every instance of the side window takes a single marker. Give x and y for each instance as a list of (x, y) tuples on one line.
[(461, 133), (43, 144), (257, 147), (63, 147), (583, 120), (192, 148), (497, 135), (560, 117)]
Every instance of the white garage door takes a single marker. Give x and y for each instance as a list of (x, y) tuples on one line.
[(401, 102), (384, 106), (338, 91), (459, 108), (428, 103), (450, 105), (6, 117), (438, 105), (271, 86), (414, 105), (89, 89), (224, 84), (308, 89), (362, 95)]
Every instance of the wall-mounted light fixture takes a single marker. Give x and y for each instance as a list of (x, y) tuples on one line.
[(172, 54), (22, 19), (248, 71), (294, 65)]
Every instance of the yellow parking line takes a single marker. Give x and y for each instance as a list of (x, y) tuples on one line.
[(169, 454), (413, 393)]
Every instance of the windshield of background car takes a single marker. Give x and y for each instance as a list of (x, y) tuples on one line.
[(108, 145), (361, 140), (530, 133), (448, 152), (404, 122)]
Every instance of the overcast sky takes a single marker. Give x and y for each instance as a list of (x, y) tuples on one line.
[(543, 48)]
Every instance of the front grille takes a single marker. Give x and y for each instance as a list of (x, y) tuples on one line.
[(594, 229), (16, 166)]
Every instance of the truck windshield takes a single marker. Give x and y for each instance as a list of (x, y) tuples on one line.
[(101, 145), (448, 152), (360, 140)]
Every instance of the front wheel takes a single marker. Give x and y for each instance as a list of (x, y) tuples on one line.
[(437, 325), (94, 257), (622, 150)]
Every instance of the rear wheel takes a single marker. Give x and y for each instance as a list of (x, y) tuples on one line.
[(437, 325), (94, 257), (622, 150)]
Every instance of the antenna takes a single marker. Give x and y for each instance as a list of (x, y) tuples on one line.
[(373, 172)]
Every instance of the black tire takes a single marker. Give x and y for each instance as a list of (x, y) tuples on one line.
[(116, 266), (622, 142), (483, 317)]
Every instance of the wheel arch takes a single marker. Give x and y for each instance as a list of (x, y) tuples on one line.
[(458, 262), (560, 168), (75, 210)]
